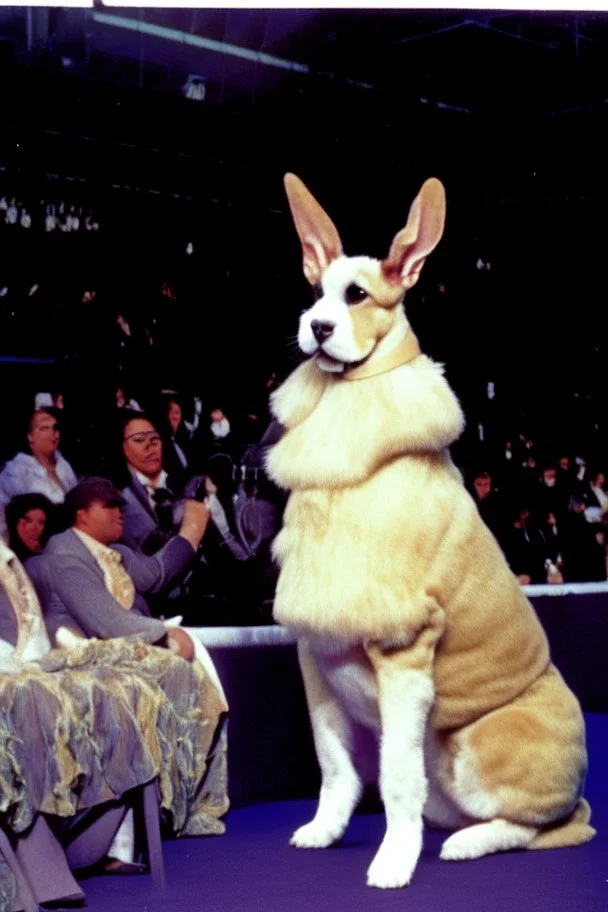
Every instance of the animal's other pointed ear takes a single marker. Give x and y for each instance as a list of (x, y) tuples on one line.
[(418, 239), (320, 241)]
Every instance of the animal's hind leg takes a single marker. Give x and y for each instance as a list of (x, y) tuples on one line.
[(485, 838), (519, 771), (334, 737)]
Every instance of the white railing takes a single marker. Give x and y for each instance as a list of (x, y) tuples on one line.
[(270, 635)]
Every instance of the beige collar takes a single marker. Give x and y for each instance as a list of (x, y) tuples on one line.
[(405, 352), (97, 548)]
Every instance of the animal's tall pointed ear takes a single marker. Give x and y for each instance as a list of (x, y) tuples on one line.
[(412, 245), (320, 241)]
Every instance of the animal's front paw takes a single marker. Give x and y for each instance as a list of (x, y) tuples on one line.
[(394, 864), (315, 835)]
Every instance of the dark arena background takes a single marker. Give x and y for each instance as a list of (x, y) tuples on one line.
[(508, 110), (142, 154)]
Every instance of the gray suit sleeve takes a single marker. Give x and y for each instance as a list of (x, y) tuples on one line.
[(83, 595), (152, 574)]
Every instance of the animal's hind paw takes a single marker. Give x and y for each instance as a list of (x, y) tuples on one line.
[(315, 835)]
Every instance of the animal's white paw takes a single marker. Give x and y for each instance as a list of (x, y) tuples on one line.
[(462, 845), (394, 864), (315, 835)]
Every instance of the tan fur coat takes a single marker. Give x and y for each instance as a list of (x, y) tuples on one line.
[(379, 528)]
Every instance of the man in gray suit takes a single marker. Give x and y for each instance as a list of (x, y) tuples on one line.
[(96, 588)]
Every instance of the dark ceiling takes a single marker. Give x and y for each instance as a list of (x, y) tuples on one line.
[(504, 107), (469, 59), (509, 110), (333, 91)]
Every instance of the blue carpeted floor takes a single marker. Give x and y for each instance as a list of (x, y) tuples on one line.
[(253, 868)]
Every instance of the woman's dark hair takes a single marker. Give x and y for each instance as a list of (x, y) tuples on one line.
[(17, 509), (160, 418), (163, 412)]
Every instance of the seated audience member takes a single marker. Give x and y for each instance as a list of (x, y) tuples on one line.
[(145, 485), (549, 496), (596, 498), (215, 435), (42, 470), (176, 443), (219, 579), (123, 400), (220, 426), (153, 504), (96, 588), (24, 639), (584, 553), (221, 488), (93, 830), (488, 502), (29, 524), (527, 481), (525, 548)]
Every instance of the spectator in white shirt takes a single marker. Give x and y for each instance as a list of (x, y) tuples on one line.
[(41, 470)]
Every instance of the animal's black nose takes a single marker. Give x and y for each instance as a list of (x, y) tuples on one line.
[(322, 330)]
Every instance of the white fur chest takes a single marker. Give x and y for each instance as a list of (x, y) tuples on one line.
[(348, 673)]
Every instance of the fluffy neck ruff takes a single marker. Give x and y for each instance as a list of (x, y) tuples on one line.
[(338, 433)]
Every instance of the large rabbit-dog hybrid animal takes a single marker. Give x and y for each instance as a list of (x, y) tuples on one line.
[(424, 664)]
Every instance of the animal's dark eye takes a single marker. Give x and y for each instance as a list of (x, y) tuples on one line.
[(354, 294)]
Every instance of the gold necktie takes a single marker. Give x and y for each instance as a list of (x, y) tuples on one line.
[(121, 584)]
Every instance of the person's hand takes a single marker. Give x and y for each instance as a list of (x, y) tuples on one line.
[(523, 579), (194, 522), (210, 488), (195, 511), (180, 643)]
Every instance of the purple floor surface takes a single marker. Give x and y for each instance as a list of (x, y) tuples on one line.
[(253, 868)]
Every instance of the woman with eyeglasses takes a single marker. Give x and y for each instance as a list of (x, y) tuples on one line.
[(40, 469), (152, 512), (144, 483)]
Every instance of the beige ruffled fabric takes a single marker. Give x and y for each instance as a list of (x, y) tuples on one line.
[(32, 639)]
